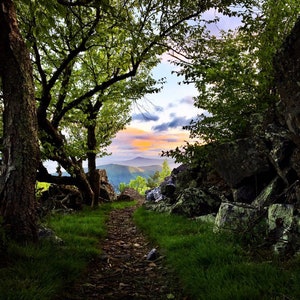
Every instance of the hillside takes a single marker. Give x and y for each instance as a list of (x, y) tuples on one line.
[(141, 162), (121, 173)]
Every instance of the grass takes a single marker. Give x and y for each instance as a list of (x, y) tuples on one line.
[(214, 266), (42, 271)]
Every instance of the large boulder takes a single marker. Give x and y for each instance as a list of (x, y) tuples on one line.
[(284, 228), (195, 202), (269, 194), (129, 194), (236, 217), (239, 160), (287, 66)]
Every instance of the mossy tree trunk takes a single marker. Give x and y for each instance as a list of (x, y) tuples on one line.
[(20, 142)]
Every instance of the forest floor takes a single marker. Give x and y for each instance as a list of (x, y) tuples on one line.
[(122, 270)]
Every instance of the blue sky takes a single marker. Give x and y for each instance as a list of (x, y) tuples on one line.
[(157, 120)]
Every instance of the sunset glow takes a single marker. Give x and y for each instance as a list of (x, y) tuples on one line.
[(134, 141)]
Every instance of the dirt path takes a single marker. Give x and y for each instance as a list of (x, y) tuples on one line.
[(122, 270)]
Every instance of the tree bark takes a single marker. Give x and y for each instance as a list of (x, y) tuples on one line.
[(93, 175), (20, 141)]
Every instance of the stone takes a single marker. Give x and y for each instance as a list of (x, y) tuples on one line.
[(167, 187), (280, 150), (129, 194), (45, 233), (59, 197), (287, 67), (269, 194), (152, 255), (154, 195), (234, 216), (106, 192), (239, 160), (245, 193), (284, 228), (195, 202)]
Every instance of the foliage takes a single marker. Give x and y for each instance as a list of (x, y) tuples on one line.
[(216, 266), (142, 184), (196, 155), (41, 187), (96, 56), (139, 184), (233, 72)]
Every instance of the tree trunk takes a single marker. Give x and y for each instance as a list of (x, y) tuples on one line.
[(20, 142), (93, 175)]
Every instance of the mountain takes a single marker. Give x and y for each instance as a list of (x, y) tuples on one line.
[(143, 161), (124, 171), (117, 173)]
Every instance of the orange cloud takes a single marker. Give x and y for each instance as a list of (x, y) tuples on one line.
[(135, 140)]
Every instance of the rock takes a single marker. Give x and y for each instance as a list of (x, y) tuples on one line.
[(129, 194), (235, 216), (284, 228), (59, 197), (239, 160), (167, 187), (195, 202), (280, 150), (245, 193), (152, 255), (106, 192), (154, 195), (269, 194), (48, 234), (184, 177), (287, 67)]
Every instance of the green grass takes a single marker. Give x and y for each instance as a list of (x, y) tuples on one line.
[(40, 272), (213, 266)]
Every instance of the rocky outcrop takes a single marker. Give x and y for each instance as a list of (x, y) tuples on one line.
[(107, 192), (59, 198), (287, 64)]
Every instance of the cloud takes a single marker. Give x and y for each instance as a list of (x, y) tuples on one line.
[(159, 108), (145, 117), (133, 141), (175, 123), (187, 100)]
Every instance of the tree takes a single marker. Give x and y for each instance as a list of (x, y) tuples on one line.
[(104, 44), (20, 142), (166, 171), (233, 72), (142, 184), (139, 184)]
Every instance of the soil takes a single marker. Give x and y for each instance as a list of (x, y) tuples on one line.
[(123, 270)]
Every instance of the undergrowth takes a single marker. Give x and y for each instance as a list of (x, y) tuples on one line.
[(42, 271), (214, 266)]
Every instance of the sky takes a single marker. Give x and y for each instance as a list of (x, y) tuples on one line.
[(157, 119)]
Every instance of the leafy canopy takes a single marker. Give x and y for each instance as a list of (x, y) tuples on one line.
[(233, 72)]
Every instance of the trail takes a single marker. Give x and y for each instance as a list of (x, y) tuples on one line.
[(122, 271)]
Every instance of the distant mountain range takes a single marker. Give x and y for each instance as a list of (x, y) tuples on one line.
[(124, 171)]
